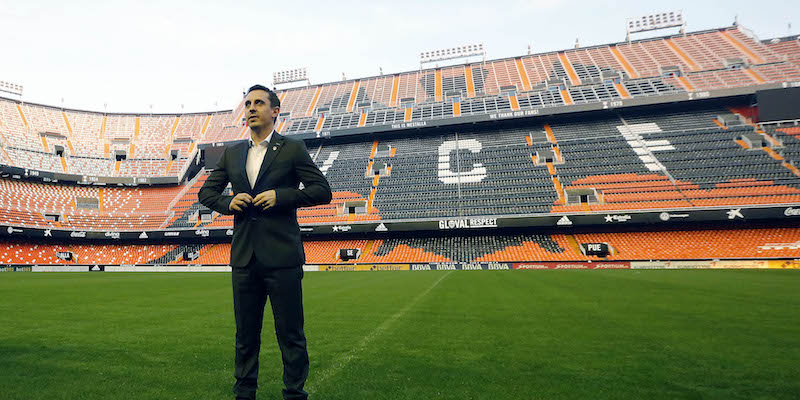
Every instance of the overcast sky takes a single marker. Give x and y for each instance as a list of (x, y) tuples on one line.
[(201, 54)]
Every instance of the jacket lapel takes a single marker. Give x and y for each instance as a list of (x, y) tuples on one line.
[(243, 162), (274, 147)]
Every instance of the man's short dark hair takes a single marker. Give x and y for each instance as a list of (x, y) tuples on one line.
[(274, 101)]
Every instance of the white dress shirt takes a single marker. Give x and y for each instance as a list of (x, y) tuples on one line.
[(255, 156)]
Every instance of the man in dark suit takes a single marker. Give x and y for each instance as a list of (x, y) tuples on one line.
[(266, 253)]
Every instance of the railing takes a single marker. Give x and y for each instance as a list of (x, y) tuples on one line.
[(186, 188)]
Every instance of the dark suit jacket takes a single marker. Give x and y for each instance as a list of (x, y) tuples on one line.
[(272, 235)]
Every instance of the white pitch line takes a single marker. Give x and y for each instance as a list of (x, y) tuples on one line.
[(343, 361)]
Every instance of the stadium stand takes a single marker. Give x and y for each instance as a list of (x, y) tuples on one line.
[(654, 245), (84, 208), (665, 157), (219, 127), (629, 160), (788, 47), (16, 253), (92, 141), (715, 59), (86, 130), (13, 126), (733, 243), (738, 243)]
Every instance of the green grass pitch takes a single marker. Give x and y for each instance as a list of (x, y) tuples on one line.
[(413, 335)]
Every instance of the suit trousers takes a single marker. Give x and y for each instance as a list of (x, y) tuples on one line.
[(252, 285)]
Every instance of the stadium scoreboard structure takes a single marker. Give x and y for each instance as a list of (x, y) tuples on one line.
[(782, 104), (290, 76), (652, 22), (12, 88)]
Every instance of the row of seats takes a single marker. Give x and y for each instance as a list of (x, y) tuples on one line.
[(656, 245), (90, 141), (704, 51), (630, 160), (586, 75), (24, 203)]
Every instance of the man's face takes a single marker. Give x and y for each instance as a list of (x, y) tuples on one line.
[(258, 110)]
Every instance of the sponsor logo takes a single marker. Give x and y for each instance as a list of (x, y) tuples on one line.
[(80, 234), (532, 266), (446, 267), (466, 223), (95, 268), (15, 269), (420, 267), (618, 218), (172, 233), (202, 232), (497, 266), (11, 230), (780, 246), (229, 232), (387, 268), (735, 213), (381, 228), (611, 266), (665, 216), (792, 212), (113, 235), (564, 221), (342, 228), (340, 268), (783, 264), (471, 266), (572, 266), (143, 235), (740, 264), (48, 233), (671, 264), (302, 229)]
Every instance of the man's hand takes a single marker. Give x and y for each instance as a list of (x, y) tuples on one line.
[(240, 202), (265, 200)]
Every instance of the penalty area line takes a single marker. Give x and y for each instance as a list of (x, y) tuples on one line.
[(345, 359)]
